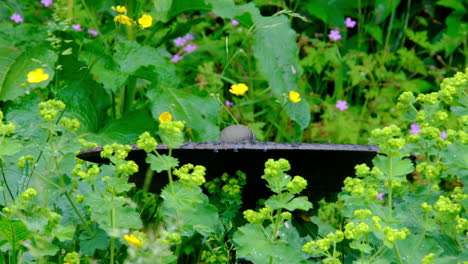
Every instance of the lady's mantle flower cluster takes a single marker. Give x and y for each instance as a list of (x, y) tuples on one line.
[(254, 217), (145, 21), (72, 258), (146, 142), (322, 245), (49, 109), (78, 171), (191, 174), (6, 129), (171, 133), (116, 150)]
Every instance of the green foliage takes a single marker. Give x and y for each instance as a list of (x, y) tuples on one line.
[(62, 86)]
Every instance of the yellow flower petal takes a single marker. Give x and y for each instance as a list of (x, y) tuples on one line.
[(37, 76), (123, 19), (294, 96), (238, 89), (145, 21), (133, 240), (165, 117)]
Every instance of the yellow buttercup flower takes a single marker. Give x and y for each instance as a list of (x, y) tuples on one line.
[(294, 96), (165, 117), (238, 89), (37, 76), (120, 9), (145, 21), (123, 19), (133, 240)]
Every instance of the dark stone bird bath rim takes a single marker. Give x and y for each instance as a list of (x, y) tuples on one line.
[(323, 165)]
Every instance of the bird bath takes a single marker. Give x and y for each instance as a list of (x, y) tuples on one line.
[(324, 166)]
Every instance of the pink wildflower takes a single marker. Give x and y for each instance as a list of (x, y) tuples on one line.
[(17, 18), (443, 134), (342, 105), (228, 103), (189, 48), (176, 58), (234, 22), (415, 129), (93, 32), (188, 37), (335, 35), (77, 27), (46, 3), (179, 42), (350, 23), (380, 196)]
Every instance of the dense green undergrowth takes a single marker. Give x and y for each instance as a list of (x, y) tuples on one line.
[(389, 73)]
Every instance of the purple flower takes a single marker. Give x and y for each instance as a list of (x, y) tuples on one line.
[(342, 105), (228, 103), (380, 196), (189, 48), (335, 35), (443, 134), (188, 37), (17, 18), (179, 42), (350, 23), (234, 22), (415, 129), (46, 3), (176, 58), (93, 32), (77, 27)]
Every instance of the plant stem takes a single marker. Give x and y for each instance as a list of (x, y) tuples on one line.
[(112, 242), (5, 181), (390, 25), (397, 253), (390, 187), (169, 173), (85, 225)]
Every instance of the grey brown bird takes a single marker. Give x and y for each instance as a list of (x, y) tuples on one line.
[(237, 134)]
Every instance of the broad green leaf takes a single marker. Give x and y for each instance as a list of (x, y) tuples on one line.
[(14, 231), (89, 244), (456, 158), (375, 31), (454, 4), (124, 217), (162, 162), (396, 167), (131, 56), (9, 146), (103, 67), (204, 218), (276, 52), (15, 75), (199, 113), (246, 14), (330, 12), (8, 57), (301, 203), (252, 244), (181, 197), (383, 8), (125, 130), (178, 7), (64, 233), (413, 254)]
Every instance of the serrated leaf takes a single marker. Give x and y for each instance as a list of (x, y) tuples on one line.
[(162, 162), (201, 122), (252, 244), (15, 74), (301, 203), (398, 169), (124, 217), (9, 146), (14, 231), (88, 244), (181, 197), (281, 69)]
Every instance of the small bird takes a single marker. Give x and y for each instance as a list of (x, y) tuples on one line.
[(237, 134)]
